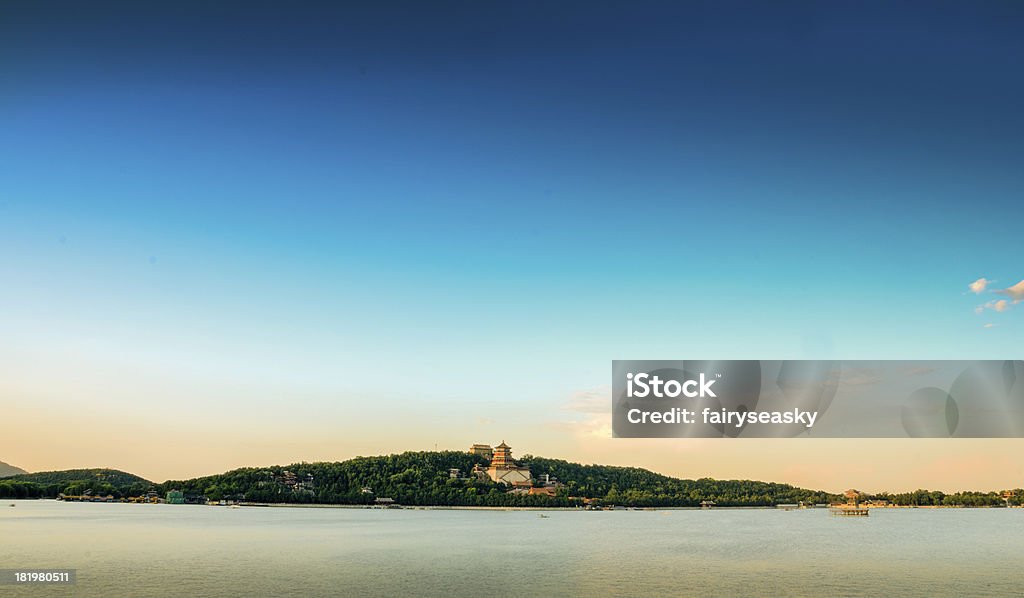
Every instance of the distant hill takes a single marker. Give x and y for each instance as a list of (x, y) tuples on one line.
[(9, 470), (73, 480), (113, 477), (48, 484)]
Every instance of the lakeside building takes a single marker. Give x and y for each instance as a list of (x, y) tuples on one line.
[(503, 468)]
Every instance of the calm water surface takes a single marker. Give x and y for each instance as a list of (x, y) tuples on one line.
[(157, 550)]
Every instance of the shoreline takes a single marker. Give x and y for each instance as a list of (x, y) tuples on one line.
[(531, 508), (489, 508)]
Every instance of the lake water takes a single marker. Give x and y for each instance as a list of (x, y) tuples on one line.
[(156, 550)]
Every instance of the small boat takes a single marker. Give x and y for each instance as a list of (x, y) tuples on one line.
[(11, 505), (540, 515)]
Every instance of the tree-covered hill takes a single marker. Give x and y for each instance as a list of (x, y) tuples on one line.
[(47, 484), (111, 476), (422, 478), (640, 487)]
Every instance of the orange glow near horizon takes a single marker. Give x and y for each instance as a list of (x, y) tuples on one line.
[(38, 436)]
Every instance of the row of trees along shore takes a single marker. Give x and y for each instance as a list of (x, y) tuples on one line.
[(422, 478)]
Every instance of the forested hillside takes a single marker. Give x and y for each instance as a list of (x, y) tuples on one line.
[(421, 478), (47, 484)]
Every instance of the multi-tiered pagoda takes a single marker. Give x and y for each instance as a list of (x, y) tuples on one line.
[(503, 467)]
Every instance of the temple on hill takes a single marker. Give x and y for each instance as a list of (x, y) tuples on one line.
[(503, 467), (484, 450)]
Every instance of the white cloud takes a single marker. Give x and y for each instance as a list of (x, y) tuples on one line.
[(1000, 306), (978, 286), (591, 401), (1016, 292), (990, 325)]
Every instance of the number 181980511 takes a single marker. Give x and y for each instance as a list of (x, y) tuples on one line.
[(37, 576)]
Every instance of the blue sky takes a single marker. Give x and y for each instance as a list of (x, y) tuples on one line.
[(475, 207)]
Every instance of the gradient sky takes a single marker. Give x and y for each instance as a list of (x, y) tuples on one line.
[(264, 232)]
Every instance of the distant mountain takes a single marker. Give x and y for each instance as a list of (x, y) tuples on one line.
[(9, 470)]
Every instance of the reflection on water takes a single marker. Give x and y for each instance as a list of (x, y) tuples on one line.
[(154, 550)]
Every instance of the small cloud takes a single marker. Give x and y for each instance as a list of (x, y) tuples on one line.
[(978, 286), (1016, 292), (1000, 306), (484, 421), (990, 325), (594, 421), (590, 401)]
